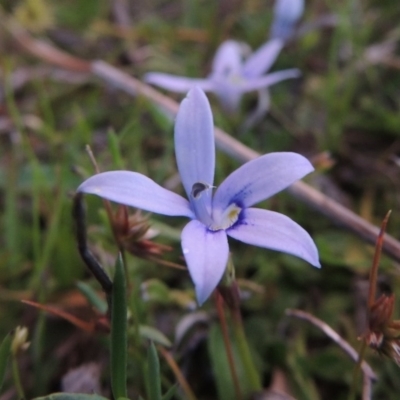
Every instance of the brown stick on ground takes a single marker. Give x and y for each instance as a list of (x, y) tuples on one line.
[(227, 144)]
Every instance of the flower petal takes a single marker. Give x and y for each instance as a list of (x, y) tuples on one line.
[(248, 85), (206, 254), (229, 95), (262, 59), (275, 231), (136, 190), (194, 141), (290, 10), (227, 59), (180, 84), (259, 179), (263, 105), (286, 15)]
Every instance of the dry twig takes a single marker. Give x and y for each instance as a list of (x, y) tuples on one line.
[(369, 374)]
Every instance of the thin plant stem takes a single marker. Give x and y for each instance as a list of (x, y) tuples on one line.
[(373, 276), (227, 343), (244, 351), (357, 369), (375, 263), (106, 203), (334, 336), (78, 212), (17, 378), (324, 327), (178, 373)]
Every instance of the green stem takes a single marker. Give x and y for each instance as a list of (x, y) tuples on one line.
[(227, 343), (244, 351), (17, 378), (119, 324)]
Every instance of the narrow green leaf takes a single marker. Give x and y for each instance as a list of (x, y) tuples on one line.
[(153, 334), (220, 367), (153, 374), (4, 354), (170, 393), (113, 143), (119, 331), (71, 396), (252, 376), (92, 297)]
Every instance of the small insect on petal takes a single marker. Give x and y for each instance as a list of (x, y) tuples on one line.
[(198, 188)]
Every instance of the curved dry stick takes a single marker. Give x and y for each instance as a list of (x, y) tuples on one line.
[(227, 144), (79, 215), (42, 49), (324, 327), (368, 374)]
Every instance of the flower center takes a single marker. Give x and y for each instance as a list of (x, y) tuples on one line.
[(214, 220), (228, 218), (235, 79)]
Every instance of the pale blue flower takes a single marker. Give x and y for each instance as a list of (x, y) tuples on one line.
[(229, 212), (231, 74), (286, 15)]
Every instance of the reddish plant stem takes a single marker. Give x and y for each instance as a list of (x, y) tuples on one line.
[(178, 373), (375, 264), (225, 334)]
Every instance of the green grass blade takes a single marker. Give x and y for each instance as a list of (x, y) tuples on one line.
[(170, 393), (119, 332), (4, 355), (154, 335), (92, 297), (71, 396), (113, 143), (153, 374)]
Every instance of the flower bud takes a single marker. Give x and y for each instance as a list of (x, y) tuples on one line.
[(20, 342)]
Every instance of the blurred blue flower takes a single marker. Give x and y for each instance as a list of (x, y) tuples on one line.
[(286, 15), (232, 75), (228, 212)]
